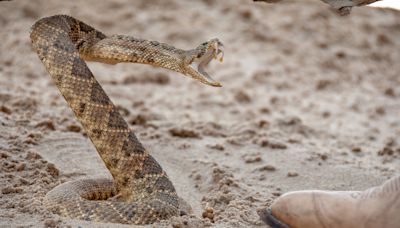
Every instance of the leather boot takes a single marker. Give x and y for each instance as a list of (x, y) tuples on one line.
[(377, 207)]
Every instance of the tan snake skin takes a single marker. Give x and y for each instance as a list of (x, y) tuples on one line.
[(141, 192)]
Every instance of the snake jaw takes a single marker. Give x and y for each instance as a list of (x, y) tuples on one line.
[(201, 57)]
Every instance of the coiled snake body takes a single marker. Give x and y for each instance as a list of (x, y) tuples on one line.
[(140, 192)]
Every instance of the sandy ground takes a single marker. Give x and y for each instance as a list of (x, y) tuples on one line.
[(310, 100)]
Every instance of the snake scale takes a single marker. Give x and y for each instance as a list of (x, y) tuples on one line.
[(140, 192)]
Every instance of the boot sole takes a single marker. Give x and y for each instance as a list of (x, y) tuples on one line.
[(267, 217)]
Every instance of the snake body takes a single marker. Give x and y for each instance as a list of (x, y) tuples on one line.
[(140, 192)]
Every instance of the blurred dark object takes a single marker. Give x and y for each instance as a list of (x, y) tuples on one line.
[(342, 7)]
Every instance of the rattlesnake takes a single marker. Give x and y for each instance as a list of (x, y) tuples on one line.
[(140, 192)]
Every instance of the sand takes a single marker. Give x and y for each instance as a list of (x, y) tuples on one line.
[(309, 100)]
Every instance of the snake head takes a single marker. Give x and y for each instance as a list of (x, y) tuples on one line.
[(197, 59)]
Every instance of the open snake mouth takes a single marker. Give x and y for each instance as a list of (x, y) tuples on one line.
[(208, 51)]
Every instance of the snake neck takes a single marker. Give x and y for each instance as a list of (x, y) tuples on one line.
[(129, 49)]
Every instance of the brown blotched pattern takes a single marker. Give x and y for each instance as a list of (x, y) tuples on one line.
[(141, 192)]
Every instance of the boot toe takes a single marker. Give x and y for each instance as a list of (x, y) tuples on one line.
[(267, 217), (290, 210)]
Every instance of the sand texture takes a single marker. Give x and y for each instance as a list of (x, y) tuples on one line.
[(310, 100)]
